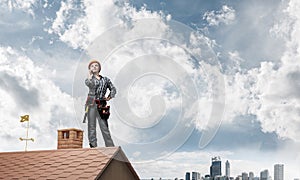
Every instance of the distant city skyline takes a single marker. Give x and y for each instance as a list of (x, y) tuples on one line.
[(263, 175)]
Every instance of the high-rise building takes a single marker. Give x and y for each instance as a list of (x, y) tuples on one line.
[(215, 168), (264, 175), (244, 176), (251, 176), (278, 172), (187, 176), (195, 176), (227, 168)]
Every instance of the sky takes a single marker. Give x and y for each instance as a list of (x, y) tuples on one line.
[(195, 79)]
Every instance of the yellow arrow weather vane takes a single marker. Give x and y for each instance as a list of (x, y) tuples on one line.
[(23, 119)]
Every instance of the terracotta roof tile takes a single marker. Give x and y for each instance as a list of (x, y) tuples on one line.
[(83, 163)]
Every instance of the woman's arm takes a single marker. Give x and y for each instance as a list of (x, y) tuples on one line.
[(88, 81), (112, 89)]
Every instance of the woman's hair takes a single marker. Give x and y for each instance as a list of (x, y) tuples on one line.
[(94, 61)]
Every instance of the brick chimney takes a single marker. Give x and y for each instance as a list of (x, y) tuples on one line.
[(69, 138)]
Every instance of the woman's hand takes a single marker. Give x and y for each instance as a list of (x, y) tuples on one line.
[(108, 98), (90, 75)]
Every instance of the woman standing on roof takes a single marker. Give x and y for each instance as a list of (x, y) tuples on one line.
[(98, 86)]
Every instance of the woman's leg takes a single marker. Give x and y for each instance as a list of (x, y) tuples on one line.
[(92, 113), (105, 132)]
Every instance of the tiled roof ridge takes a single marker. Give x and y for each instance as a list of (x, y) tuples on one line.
[(110, 159), (120, 152), (116, 152), (56, 150), (128, 163)]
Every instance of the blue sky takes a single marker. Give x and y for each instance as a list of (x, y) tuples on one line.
[(195, 79)]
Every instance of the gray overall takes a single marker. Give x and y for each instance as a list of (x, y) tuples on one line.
[(97, 90)]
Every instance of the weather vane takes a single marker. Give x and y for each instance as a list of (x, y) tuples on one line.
[(23, 119)]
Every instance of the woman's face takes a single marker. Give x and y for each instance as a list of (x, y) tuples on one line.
[(95, 68)]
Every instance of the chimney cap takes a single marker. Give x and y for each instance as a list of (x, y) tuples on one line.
[(70, 129)]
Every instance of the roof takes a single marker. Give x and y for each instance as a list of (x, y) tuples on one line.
[(83, 163)]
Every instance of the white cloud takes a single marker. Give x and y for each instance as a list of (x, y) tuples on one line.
[(279, 109), (271, 91), (277, 86), (62, 14), (24, 5), (226, 15), (234, 63), (96, 18), (27, 90)]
